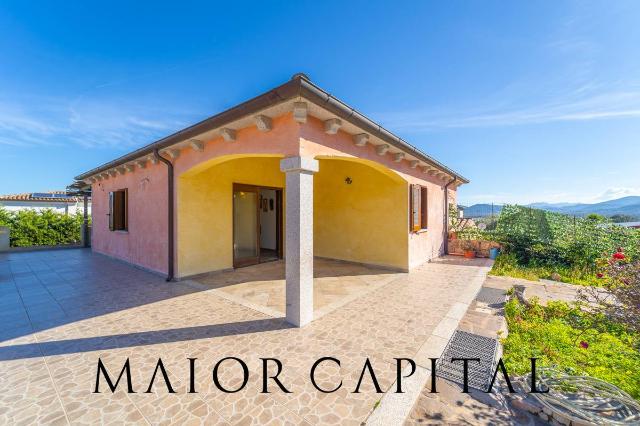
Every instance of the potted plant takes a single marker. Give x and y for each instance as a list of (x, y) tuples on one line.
[(468, 249)]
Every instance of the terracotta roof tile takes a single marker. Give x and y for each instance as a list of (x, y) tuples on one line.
[(38, 196)]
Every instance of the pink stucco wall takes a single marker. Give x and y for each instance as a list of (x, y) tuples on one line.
[(281, 140), (145, 241)]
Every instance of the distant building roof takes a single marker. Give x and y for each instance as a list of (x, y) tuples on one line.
[(629, 224), (51, 196)]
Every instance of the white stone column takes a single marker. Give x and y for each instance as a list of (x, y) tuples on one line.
[(299, 238)]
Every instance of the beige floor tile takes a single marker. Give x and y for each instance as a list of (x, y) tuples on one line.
[(117, 312)]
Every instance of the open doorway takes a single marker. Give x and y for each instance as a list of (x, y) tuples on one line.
[(269, 249), (257, 224)]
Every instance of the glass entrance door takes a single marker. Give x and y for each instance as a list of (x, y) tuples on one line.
[(246, 249)]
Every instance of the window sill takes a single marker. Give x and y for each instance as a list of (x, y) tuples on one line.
[(121, 232), (422, 231)]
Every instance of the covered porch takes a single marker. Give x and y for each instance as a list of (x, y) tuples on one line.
[(337, 209)]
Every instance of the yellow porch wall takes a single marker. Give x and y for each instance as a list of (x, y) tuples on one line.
[(205, 210), (366, 221)]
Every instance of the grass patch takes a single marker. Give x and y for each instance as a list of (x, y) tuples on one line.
[(507, 265), (549, 333)]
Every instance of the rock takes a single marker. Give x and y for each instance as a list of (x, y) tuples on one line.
[(580, 423), (534, 405), (526, 405), (543, 416), (547, 411), (562, 419)]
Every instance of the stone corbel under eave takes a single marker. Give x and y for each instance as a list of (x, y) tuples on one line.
[(196, 145), (332, 126), (173, 153), (264, 123), (228, 135), (300, 112), (382, 149), (360, 139)]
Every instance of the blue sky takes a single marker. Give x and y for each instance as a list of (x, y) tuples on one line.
[(533, 101)]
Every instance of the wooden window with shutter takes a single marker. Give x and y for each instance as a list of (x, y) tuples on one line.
[(418, 205), (424, 208), (415, 207), (118, 210)]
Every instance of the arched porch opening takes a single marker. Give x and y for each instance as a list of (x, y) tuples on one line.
[(360, 212), (205, 208)]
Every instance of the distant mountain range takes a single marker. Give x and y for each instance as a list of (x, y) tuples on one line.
[(629, 206)]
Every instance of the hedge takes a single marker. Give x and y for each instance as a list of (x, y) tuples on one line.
[(41, 228)]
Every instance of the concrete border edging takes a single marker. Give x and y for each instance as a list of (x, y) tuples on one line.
[(394, 408)]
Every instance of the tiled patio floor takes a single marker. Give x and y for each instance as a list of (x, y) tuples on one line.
[(262, 286), (62, 310)]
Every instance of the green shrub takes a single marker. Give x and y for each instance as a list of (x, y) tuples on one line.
[(542, 236), (542, 244), (561, 335), (36, 228), (507, 265), (5, 217)]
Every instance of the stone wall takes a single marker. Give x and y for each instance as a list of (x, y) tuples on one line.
[(481, 248)]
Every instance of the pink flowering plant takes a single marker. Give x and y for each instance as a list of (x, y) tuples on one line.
[(617, 300)]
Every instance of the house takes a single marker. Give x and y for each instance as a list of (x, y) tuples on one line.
[(634, 225), (58, 201), (292, 173)]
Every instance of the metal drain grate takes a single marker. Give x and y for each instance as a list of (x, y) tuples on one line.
[(493, 297), (468, 345)]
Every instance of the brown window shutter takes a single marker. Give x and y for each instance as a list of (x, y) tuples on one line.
[(424, 208), (117, 210), (125, 213), (416, 205), (111, 227)]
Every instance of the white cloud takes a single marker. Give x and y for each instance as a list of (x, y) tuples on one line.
[(511, 198), (89, 123), (546, 197), (614, 193), (576, 106), (20, 128)]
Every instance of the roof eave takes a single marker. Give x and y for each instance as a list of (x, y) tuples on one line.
[(272, 97), (299, 86), (315, 94)]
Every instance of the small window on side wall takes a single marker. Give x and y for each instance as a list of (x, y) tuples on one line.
[(419, 211), (118, 210)]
